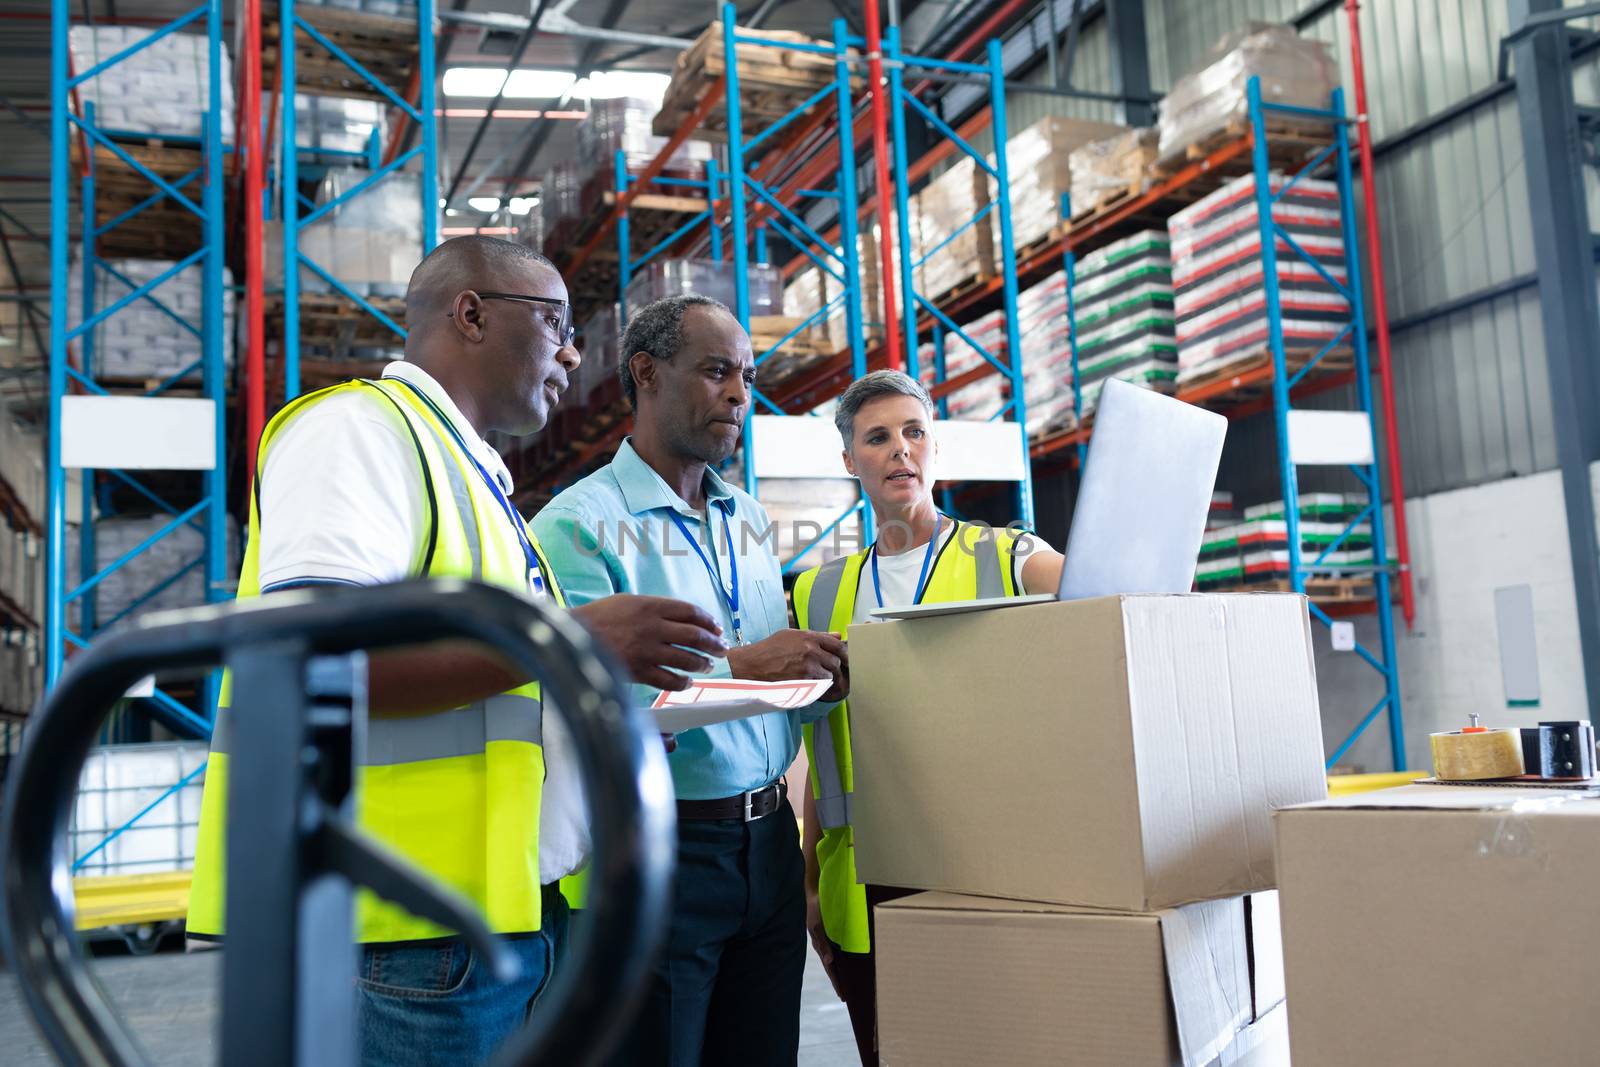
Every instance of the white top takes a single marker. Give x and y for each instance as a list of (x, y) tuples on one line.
[(897, 577), (340, 493)]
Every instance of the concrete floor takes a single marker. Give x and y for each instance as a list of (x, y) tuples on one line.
[(170, 1002)]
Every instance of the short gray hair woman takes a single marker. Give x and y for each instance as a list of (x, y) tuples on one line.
[(871, 387)]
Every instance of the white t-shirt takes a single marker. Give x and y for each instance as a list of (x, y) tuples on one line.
[(340, 492), (897, 576)]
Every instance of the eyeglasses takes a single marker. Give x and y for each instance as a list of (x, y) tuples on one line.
[(559, 319)]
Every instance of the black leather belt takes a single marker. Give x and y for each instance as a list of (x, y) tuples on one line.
[(747, 807)]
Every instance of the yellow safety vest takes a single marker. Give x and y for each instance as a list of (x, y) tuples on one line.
[(457, 792), (825, 599)]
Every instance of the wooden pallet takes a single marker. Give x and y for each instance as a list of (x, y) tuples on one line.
[(385, 46), (1289, 143), (1321, 590), (163, 230), (1110, 201), (1336, 361), (328, 321), (772, 82)]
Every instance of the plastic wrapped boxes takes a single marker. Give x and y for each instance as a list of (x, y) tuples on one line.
[(373, 241), (661, 278), (333, 123), (1219, 278), (163, 89), (143, 340), (1293, 70), (1040, 162), (1103, 169), (1126, 326), (600, 339), (1256, 550), (951, 251)]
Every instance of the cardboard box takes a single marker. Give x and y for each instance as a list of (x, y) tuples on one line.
[(1122, 752), (968, 980), (1440, 924)]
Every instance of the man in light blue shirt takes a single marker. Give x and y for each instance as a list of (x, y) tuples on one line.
[(658, 520)]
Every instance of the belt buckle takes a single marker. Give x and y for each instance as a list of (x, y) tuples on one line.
[(749, 804)]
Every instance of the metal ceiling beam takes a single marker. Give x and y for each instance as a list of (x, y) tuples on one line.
[(526, 38), (541, 132), (559, 24)]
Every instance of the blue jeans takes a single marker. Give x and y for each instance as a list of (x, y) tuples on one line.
[(434, 1003)]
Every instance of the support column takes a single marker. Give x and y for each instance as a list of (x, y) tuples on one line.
[(1563, 249)]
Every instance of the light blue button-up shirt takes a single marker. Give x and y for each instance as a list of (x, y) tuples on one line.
[(613, 532)]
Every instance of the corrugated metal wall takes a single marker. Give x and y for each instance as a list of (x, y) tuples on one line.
[(1472, 393)]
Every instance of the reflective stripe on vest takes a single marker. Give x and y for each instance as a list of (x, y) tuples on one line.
[(464, 731), (477, 769), (834, 801)]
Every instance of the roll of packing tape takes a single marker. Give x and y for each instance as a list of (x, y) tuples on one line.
[(1473, 756)]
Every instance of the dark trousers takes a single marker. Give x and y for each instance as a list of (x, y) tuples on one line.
[(727, 988), (857, 978)]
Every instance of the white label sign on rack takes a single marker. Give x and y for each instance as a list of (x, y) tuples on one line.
[(1330, 438), (800, 446), (138, 433)]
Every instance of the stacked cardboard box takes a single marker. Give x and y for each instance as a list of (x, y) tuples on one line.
[(1442, 924), (1123, 303), (1105, 168), (1212, 99), (807, 293), (162, 89), (22, 462), (944, 206), (1219, 277), (560, 205), (21, 669), (1040, 163), (1095, 846), (143, 341)]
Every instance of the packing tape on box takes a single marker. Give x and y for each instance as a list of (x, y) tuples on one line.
[(1474, 755)]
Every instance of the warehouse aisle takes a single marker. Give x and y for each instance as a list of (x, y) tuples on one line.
[(170, 999)]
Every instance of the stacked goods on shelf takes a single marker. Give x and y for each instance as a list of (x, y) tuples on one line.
[(1219, 278), (22, 464), (1256, 550), (1222, 512), (1144, 855), (661, 278), (22, 501), (115, 537), (802, 508), (1212, 99), (1039, 162), (806, 294), (623, 124), (1123, 308), (144, 341), (560, 194), (1105, 170), (21, 669), (953, 251), (162, 89), (335, 123), (772, 81), (389, 8), (1046, 356), (373, 241), (982, 398), (600, 340)]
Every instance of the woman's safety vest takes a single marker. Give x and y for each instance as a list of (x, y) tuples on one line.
[(975, 562), (457, 792)]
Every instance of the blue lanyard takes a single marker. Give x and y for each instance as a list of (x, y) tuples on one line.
[(927, 559), (535, 571), (732, 598)]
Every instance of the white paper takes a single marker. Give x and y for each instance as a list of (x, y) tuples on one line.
[(713, 700)]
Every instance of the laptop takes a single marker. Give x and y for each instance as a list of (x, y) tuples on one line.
[(1142, 503)]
